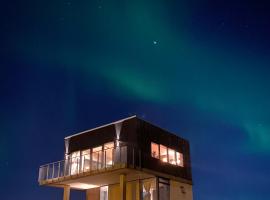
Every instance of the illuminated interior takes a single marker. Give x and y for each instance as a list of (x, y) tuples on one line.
[(149, 191), (154, 150), (166, 154), (179, 159), (163, 153), (108, 149), (171, 154), (75, 162), (86, 160), (97, 157)]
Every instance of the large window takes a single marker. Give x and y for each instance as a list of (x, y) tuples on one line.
[(108, 149), (75, 162), (85, 160), (166, 154), (163, 153), (179, 159), (171, 153), (154, 150), (97, 157)]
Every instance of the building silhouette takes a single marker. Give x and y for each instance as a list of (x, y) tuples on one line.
[(129, 159)]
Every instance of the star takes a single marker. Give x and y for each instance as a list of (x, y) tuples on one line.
[(154, 42)]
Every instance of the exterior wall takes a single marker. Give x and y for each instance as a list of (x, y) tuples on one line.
[(180, 191), (93, 194), (131, 191), (114, 192), (148, 133)]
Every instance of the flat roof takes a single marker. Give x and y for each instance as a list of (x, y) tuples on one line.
[(122, 120), (115, 122)]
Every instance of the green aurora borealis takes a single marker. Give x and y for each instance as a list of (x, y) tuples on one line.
[(160, 59)]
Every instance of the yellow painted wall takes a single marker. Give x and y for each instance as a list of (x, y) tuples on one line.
[(180, 191), (114, 192), (131, 191)]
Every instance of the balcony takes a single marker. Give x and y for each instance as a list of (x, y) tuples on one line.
[(87, 164)]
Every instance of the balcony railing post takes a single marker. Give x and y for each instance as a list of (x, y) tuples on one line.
[(47, 173), (78, 165), (105, 159), (59, 165), (120, 155), (69, 166), (53, 170)]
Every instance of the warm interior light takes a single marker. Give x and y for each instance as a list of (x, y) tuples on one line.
[(82, 185)]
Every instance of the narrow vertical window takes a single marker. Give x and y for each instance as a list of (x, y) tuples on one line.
[(154, 150), (179, 159), (163, 153), (171, 153)]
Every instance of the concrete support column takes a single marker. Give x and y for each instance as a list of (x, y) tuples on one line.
[(123, 183), (66, 193)]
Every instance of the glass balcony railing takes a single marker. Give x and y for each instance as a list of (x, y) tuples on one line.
[(76, 165)]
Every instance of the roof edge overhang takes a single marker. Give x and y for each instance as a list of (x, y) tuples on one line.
[(102, 126)]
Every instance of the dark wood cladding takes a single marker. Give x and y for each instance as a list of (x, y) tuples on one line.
[(148, 133), (92, 138), (138, 134)]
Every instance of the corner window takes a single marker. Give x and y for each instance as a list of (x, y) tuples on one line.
[(154, 150), (163, 153), (179, 159)]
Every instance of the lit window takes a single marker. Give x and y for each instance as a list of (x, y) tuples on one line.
[(85, 160), (97, 157), (171, 156), (75, 162), (179, 159), (154, 150), (109, 148), (163, 153)]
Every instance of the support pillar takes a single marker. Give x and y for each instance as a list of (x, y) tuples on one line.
[(66, 192), (123, 183)]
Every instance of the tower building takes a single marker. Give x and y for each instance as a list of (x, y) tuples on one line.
[(129, 159)]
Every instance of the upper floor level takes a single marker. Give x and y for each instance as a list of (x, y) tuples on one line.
[(127, 143)]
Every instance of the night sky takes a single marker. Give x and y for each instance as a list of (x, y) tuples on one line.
[(196, 68)]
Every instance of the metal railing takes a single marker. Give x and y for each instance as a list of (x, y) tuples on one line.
[(84, 163)]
